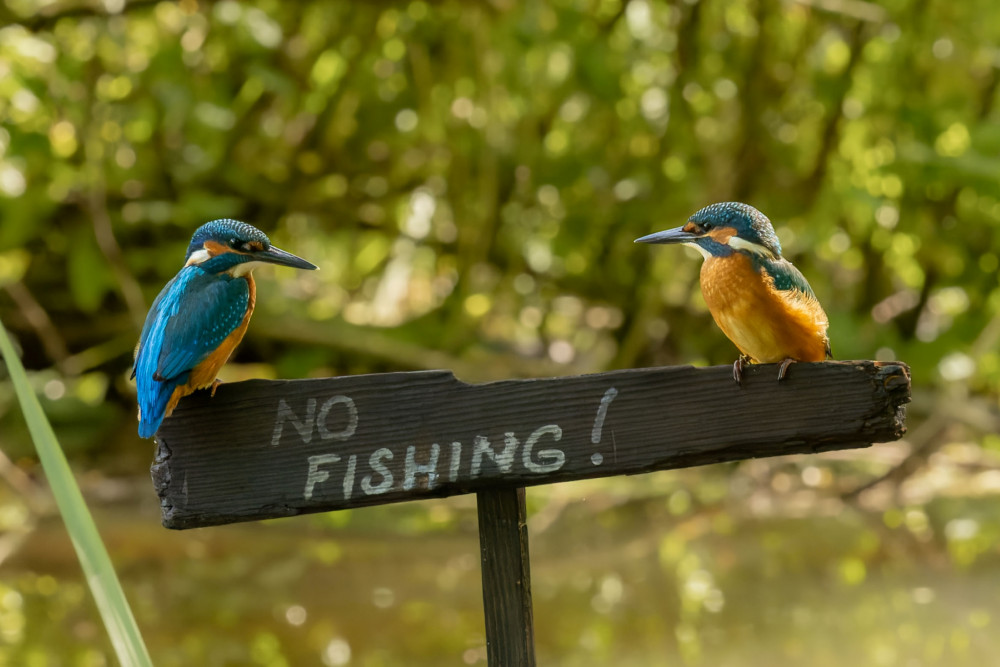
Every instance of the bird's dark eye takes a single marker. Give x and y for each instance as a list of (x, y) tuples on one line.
[(233, 242), (706, 226)]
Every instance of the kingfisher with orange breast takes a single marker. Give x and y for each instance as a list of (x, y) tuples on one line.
[(200, 317), (757, 297)]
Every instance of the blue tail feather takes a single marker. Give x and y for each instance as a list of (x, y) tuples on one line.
[(153, 404)]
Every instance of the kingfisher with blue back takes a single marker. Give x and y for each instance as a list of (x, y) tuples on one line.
[(757, 297), (200, 316)]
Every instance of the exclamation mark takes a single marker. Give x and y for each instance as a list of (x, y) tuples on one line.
[(602, 412)]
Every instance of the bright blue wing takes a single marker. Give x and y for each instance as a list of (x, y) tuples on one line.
[(190, 318), (150, 323), (211, 308)]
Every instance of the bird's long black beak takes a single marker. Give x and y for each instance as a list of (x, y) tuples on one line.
[(676, 235), (278, 256)]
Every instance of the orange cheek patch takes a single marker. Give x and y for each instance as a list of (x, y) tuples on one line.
[(722, 234), (215, 248)]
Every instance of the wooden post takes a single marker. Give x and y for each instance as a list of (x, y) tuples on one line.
[(503, 544), (265, 449)]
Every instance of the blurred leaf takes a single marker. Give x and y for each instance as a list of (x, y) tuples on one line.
[(104, 585), (89, 276)]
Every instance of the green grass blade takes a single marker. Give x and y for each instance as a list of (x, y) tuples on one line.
[(94, 559)]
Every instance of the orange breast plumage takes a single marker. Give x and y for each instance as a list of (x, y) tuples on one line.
[(767, 324)]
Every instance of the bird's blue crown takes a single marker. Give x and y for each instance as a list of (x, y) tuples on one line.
[(231, 233), (749, 223)]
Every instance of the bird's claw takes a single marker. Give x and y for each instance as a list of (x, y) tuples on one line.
[(215, 385), (784, 368), (738, 365)]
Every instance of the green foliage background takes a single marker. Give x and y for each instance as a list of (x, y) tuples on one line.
[(470, 177)]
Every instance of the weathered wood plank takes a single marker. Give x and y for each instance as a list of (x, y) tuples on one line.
[(263, 449), (503, 545)]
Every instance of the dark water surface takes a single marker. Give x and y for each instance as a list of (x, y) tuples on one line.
[(635, 571)]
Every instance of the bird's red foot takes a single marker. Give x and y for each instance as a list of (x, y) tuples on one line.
[(215, 385), (738, 366), (784, 368)]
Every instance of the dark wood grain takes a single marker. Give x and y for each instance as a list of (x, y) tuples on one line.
[(503, 545), (263, 449)]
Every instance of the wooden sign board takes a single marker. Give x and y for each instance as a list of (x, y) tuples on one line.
[(263, 449)]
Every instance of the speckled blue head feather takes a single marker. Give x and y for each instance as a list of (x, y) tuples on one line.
[(749, 223), (227, 232), (232, 246)]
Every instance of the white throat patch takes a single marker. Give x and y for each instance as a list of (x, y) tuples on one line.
[(704, 253), (244, 268), (198, 256)]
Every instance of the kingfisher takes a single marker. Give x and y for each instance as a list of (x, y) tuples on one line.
[(757, 297), (200, 316)]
